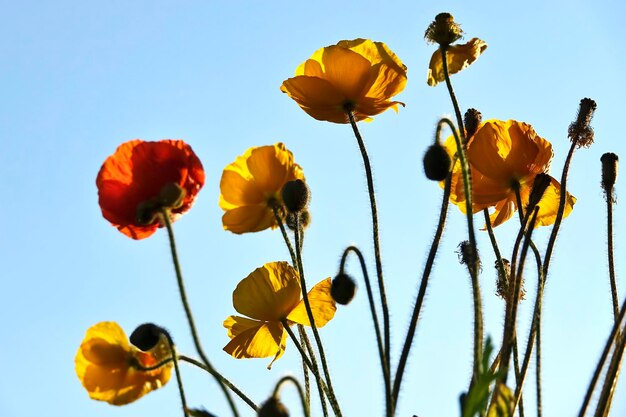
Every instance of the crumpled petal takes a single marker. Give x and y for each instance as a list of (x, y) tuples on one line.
[(322, 304), (458, 57), (255, 339)]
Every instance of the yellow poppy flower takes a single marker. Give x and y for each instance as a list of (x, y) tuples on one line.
[(268, 295), (458, 57), (358, 75), (504, 155), (105, 365), (252, 184)]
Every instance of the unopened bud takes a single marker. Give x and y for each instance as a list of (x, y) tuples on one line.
[(343, 288), (580, 131), (443, 30), (609, 173), (540, 185), (436, 162), (172, 195), (273, 408), (472, 120), (295, 195), (146, 336), (304, 218)]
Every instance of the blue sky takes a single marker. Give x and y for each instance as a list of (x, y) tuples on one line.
[(79, 78)]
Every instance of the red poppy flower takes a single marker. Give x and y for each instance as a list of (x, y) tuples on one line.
[(138, 175)]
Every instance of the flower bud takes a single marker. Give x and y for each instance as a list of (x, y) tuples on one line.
[(295, 195), (147, 212), (471, 121), (305, 220), (146, 336), (172, 195), (273, 408), (436, 162), (443, 30), (580, 132), (542, 181), (609, 173), (343, 288)]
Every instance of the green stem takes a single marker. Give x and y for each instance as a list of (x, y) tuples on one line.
[(179, 379), (370, 297), (421, 294), (305, 297), (165, 216), (281, 225), (377, 255), (295, 382), (305, 370), (496, 249), (225, 381), (609, 233)]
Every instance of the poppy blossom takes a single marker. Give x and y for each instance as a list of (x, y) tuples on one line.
[(106, 364), (142, 177), (357, 75), (503, 156), (458, 57), (251, 187), (269, 295)]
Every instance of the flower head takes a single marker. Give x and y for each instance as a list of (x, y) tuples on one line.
[(270, 295), (505, 156), (358, 75), (251, 187), (458, 57), (108, 365), (141, 177)]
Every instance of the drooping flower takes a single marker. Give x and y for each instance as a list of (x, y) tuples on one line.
[(503, 156), (358, 75), (458, 57), (251, 186), (269, 295), (106, 364), (142, 177)]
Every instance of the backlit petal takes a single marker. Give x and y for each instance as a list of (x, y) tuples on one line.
[(322, 303), (458, 58), (260, 341), (549, 204)]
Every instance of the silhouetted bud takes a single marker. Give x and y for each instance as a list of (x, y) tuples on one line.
[(540, 185), (609, 173), (146, 336), (443, 30), (172, 195), (580, 131), (273, 408), (436, 163), (305, 220), (472, 119), (343, 289), (295, 196)]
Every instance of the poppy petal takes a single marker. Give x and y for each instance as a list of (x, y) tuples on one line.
[(458, 57), (322, 304)]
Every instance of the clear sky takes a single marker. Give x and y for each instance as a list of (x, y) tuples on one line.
[(79, 78)]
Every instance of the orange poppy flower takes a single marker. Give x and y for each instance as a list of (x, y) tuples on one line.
[(106, 365), (458, 58), (502, 156), (137, 175), (269, 295), (358, 75), (251, 186)]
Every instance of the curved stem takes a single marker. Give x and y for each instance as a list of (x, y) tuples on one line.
[(295, 382), (305, 297), (377, 255), (370, 297), (422, 290), (179, 379), (183, 295)]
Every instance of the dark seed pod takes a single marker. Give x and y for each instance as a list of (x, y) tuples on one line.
[(146, 336), (295, 195), (436, 163), (273, 408), (343, 289)]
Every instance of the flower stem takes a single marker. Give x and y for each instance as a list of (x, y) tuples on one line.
[(165, 216), (422, 291), (225, 381), (377, 255), (332, 398), (293, 380), (305, 370), (370, 297), (609, 234), (179, 379), (281, 225)]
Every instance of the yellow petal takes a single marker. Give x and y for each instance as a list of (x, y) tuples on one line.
[(458, 58), (317, 97), (249, 219), (549, 204), (346, 70), (254, 339), (269, 293), (323, 306)]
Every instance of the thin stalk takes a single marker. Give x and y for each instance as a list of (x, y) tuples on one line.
[(377, 255), (612, 375), (379, 340), (518, 376), (225, 381), (312, 364), (305, 371), (295, 382), (609, 233), (281, 225), (179, 379), (494, 245), (408, 341), (165, 216), (305, 297), (538, 366)]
